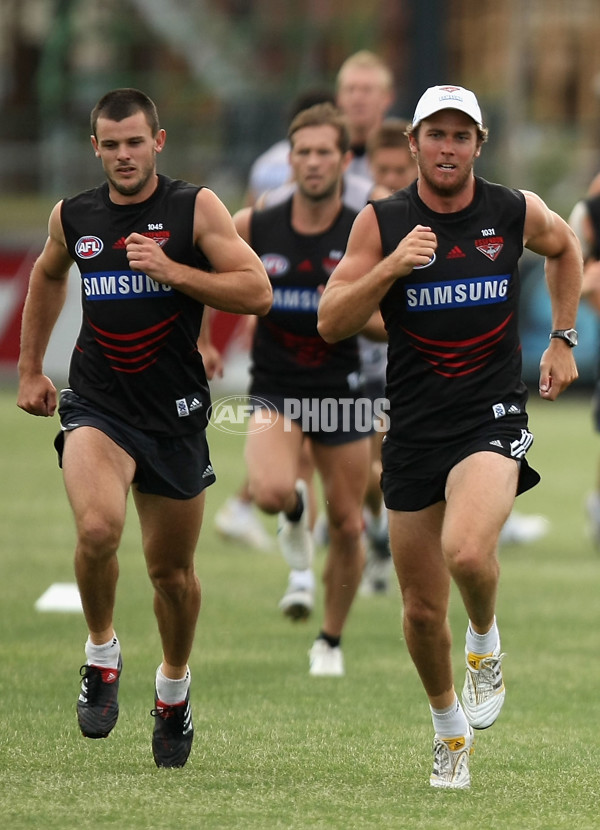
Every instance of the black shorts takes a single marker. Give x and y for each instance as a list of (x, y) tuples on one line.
[(331, 421), (178, 468), (414, 478)]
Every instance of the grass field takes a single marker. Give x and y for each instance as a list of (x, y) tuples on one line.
[(275, 748)]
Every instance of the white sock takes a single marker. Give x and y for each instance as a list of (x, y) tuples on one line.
[(483, 643), (450, 722), (172, 691), (106, 655)]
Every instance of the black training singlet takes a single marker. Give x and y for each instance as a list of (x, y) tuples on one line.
[(288, 354), (136, 355), (454, 360)]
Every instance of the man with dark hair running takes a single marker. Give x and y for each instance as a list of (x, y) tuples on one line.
[(152, 253)]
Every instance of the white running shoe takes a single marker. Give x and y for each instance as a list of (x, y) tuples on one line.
[(377, 573), (451, 762), (325, 660), (378, 565), (377, 532), (294, 538), (483, 693), (299, 599), (519, 529), (238, 521)]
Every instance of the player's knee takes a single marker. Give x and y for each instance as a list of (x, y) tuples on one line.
[(346, 525), (173, 583), (272, 497), (466, 561), (98, 535), (422, 616)]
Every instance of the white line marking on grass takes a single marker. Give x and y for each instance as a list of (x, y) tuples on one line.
[(60, 596)]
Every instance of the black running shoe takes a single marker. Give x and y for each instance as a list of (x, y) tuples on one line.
[(98, 707), (173, 732)]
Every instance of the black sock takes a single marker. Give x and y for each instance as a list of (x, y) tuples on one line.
[(332, 641), (298, 510)]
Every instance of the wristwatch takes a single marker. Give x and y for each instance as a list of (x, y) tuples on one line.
[(568, 335)]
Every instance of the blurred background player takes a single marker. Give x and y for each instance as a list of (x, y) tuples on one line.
[(300, 241), (237, 518), (272, 168), (364, 93), (391, 163)]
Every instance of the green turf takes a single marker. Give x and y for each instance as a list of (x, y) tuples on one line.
[(275, 748)]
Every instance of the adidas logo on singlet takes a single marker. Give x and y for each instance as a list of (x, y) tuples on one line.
[(455, 253)]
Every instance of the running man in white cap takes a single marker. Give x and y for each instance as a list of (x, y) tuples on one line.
[(440, 259)]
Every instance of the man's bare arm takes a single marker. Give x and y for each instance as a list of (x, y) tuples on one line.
[(549, 235), (45, 298), (363, 277)]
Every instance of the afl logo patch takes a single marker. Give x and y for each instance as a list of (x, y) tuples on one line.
[(88, 246), (275, 264)]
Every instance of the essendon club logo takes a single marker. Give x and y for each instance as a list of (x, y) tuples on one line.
[(88, 246), (160, 237), (490, 247)]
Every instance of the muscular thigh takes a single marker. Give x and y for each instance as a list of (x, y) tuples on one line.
[(415, 542), (273, 454), (97, 474), (170, 528), (480, 492)]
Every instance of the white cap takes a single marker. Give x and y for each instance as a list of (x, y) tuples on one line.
[(447, 97)]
